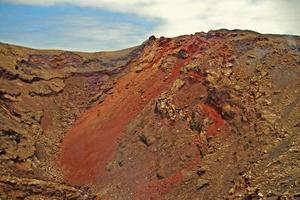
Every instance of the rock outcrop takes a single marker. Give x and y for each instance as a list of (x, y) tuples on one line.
[(206, 116)]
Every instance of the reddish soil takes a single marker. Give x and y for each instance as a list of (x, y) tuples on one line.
[(90, 144), (84, 158), (218, 121)]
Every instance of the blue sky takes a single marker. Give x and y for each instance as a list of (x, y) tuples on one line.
[(95, 25), (71, 27)]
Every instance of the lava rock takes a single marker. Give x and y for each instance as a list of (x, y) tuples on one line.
[(182, 54)]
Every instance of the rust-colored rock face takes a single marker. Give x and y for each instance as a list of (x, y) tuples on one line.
[(206, 116)]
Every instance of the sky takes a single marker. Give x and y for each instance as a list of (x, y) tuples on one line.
[(97, 25)]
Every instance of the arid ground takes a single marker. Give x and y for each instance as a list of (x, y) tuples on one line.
[(205, 116)]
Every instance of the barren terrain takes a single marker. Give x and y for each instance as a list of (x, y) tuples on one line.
[(205, 116)]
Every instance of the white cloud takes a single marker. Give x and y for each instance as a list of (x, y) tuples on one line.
[(101, 34), (189, 16), (175, 17)]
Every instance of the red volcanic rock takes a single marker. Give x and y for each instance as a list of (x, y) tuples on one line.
[(207, 116), (80, 165)]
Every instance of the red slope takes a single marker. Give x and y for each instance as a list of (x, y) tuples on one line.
[(92, 141), (90, 144)]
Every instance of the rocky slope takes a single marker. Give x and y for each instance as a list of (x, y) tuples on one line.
[(206, 116)]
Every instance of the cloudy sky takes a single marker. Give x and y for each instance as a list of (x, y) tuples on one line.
[(95, 25)]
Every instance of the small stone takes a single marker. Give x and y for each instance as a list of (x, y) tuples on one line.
[(237, 87), (228, 111), (227, 72), (297, 124), (294, 149), (211, 79), (260, 194), (201, 171), (147, 140), (109, 166), (201, 183), (56, 85), (138, 69), (232, 190), (264, 73), (160, 174), (9, 97), (230, 65), (38, 116), (182, 54)]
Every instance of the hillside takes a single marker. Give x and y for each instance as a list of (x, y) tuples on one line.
[(205, 116)]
